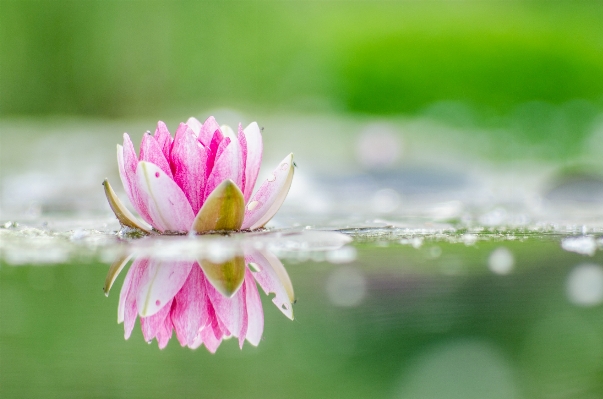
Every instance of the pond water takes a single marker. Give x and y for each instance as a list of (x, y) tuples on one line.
[(424, 280)]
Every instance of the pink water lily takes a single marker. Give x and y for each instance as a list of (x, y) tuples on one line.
[(200, 180), (203, 303)]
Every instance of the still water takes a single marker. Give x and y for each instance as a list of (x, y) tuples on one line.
[(417, 281), (413, 317)]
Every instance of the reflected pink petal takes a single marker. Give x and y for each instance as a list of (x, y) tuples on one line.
[(164, 334), (137, 270), (190, 313), (151, 325), (229, 311), (255, 313), (161, 282), (273, 278)]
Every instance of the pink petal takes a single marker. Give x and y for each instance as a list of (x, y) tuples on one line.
[(164, 139), (151, 325), (123, 294), (162, 281), (229, 311), (137, 270), (255, 313), (227, 166), (127, 162), (211, 342), (243, 146), (189, 313), (195, 126), (207, 132), (270, 196), (188, 162), (165, 332), (244, 320), (150, 151), (273, 278), (253, 158), (167, 205), (216, 140)]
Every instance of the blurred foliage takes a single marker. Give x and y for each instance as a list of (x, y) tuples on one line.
[(532, 68)]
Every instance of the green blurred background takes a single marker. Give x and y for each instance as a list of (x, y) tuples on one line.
[(531, 71)]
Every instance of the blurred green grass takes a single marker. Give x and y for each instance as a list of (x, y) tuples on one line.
[(534, 69)]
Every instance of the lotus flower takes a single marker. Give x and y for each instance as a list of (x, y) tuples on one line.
[(204, 303), (201, 180)]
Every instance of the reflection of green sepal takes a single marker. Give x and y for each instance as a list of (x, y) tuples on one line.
[(114, 270), (223, 210), (124, 216), (226, 277)]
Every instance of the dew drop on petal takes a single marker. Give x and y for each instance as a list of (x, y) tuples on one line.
[(156, 174), (252, 205), (271, 178), (158, 302)]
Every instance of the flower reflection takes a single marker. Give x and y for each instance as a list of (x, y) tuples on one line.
[(201, 301)]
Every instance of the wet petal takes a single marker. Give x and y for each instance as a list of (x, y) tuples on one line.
[(224, 209), (151, 152), (227, 166), (255, 314), (225, 277), (188, 162), (163, 280), (270, 196), (122, 213), (253, 159), (167, 205), (273, 278)]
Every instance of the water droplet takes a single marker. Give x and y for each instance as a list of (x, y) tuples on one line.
[(158, 302), (284, 166), (252, 205), (156, 174), (271, 178)]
